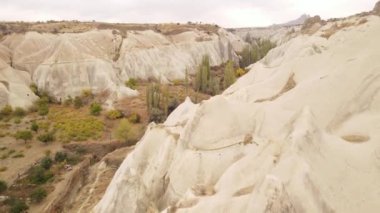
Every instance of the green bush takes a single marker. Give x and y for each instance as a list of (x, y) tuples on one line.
[(3, 186), (157, 115), (24, 135), (38, 175), (6, 111), (34, 126), (38, 195), (16, 205), (131, 83), (46, 162), (19, 112), (17, 120), (95, 109), (122, 132), (78, 103), (114, 114), (60, 156), (134, 118), (46, 137), (42, 106), (34, 88), (43, 109)]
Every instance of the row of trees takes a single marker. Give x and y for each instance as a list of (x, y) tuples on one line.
[(255, 50), (206, 82)]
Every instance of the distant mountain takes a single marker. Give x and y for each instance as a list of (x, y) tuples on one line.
[(297, 21)]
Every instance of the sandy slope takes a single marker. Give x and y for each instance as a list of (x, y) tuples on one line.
[(299, 133)]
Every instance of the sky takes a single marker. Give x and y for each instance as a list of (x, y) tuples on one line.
[(226, 13)]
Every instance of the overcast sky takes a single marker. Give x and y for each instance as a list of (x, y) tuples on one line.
[(227, 13)]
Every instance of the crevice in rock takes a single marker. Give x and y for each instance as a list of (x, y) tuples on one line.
[(290, 84)]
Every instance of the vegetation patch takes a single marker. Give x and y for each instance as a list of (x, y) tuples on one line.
[(75, 126)]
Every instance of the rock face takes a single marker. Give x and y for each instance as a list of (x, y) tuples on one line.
[(14, 84), (148, 54), (298, 133), (102, 60)]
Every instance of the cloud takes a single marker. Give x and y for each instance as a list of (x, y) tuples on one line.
[(226, 13)]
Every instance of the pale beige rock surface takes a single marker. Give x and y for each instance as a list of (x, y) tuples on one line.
[(102, 60), (299, 133)]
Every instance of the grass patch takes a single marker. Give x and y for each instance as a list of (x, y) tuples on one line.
[(75, 125)]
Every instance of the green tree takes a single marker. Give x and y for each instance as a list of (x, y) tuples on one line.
[(203, 75), (24, 135), (229, 75)]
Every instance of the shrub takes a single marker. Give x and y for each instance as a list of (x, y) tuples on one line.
[(95, 109), (68, 101), (122, 132), (19, 112), (6, 111), (34, 126), (60, 156), (38, 195), (42, 106), (131, 83), (157, 115), (34, 88), (38, 175), (240, 72), (114, 114), (87, 93), (24, 135), (17, 120), (17, 205), (134, 118), (46, 137), (78, 103), (46, 162), (18, 155), (3, 186)]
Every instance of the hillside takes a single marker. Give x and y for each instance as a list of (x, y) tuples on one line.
[(101, 57), (298, 133)]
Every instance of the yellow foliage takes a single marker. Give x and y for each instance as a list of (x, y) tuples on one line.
[(240, 72)]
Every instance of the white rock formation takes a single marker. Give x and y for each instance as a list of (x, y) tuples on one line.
[(14, 84), (101, 60), (148, 54), (298, 133)]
